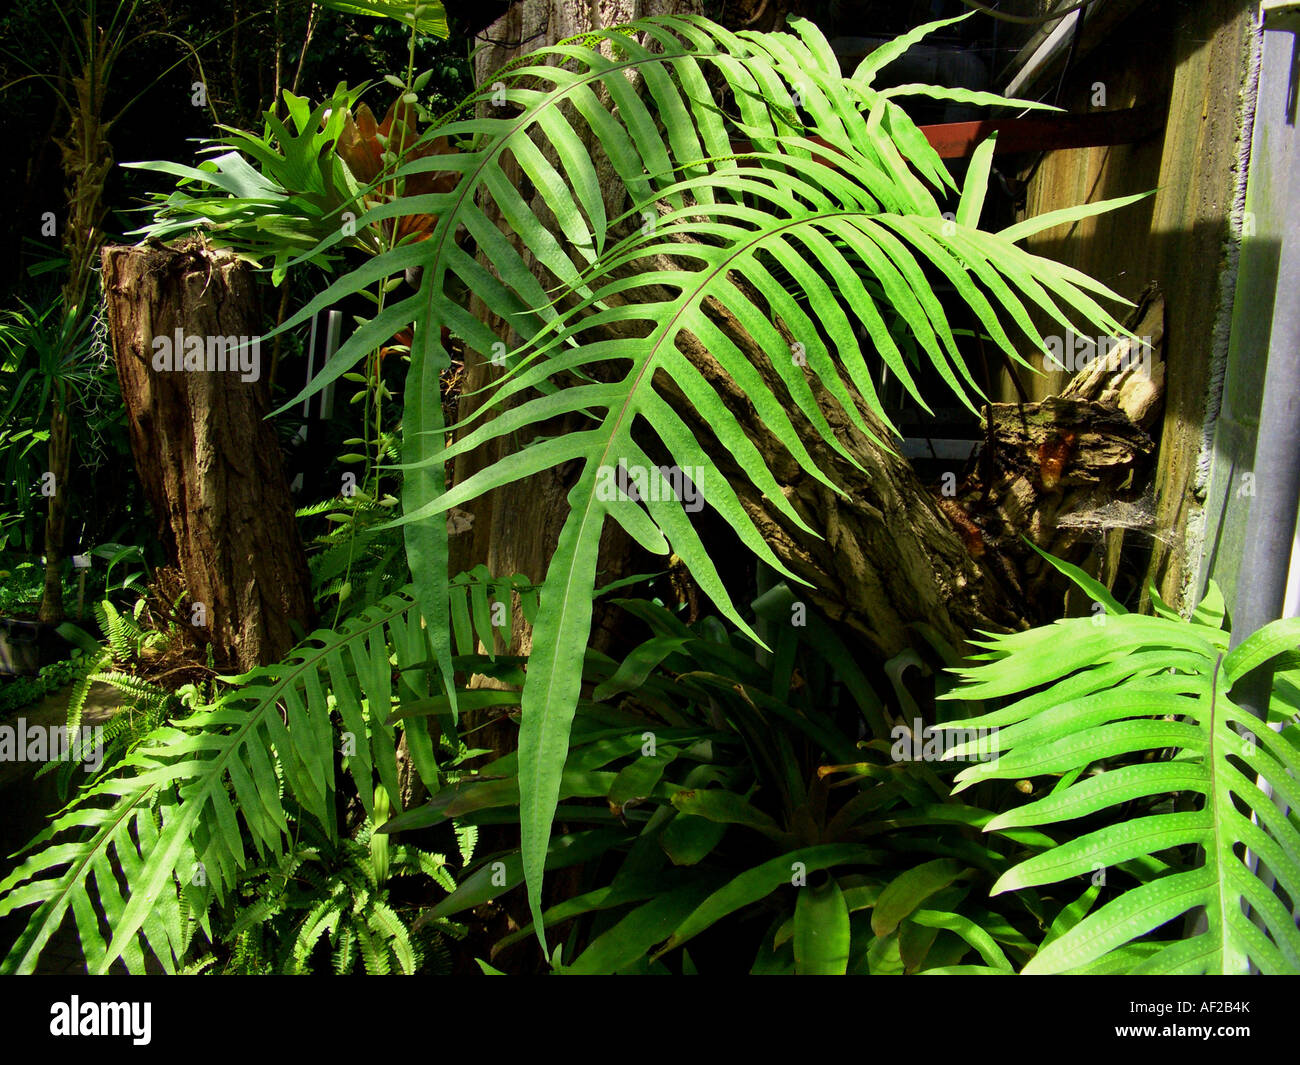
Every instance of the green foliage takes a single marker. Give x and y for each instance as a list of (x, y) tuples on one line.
[(357, 553), (800, 240), (282, 207), (145, 705), (337, 892), (1150, 766), (753, 806), (20, 587), (17, 692), (425, 18), (42, 350), (184, 799), (721, 805), (197, 799), (46, 359)]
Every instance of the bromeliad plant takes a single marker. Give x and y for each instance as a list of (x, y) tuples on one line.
[(1131, 721), (726, 820), (816, 236), (279, 207), (306, 172)]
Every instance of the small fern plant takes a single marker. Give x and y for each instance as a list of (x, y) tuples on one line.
[(339, 895), (1131, 720), (358, 558), (145, 705), (126, 639)]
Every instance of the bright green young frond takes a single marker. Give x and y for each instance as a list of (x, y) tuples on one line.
[(1136, 710)]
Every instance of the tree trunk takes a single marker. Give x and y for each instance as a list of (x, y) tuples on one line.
[(893, 552), (87, 160), (56, 516), (516, 527), (210, 464)]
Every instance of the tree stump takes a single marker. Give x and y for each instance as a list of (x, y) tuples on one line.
[(184, 326)]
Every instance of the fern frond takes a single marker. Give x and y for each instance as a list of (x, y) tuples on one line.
[(383, 920), (434, 866), (213, 770), (122, 631), (323, 918), (79, 694), (803, 241), (374, 954), (144, 695), (466, 841), (1149, 699), (345, 952), (176, 813)]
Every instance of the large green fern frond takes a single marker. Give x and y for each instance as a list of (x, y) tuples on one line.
[(827, 227), (1136, 710), (174, 816)]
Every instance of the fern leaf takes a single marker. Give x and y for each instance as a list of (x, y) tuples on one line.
[(821, 240), (1144, 686), (206, 774)]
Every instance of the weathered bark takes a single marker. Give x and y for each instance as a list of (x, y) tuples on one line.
[(1066, 469), (515, 528), (209, 463), (893, 551)]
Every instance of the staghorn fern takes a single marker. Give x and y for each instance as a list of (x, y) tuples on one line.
[(176, 814), (821, 232), (1146, 701)]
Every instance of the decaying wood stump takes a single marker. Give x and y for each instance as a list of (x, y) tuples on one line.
[(185, 330), (893, 551), (1069, 467)]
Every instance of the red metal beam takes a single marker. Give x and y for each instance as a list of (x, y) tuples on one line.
[(957, 140)]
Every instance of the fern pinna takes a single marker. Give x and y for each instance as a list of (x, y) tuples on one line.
[(1120, 710), (795, 236), (179, 814)]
